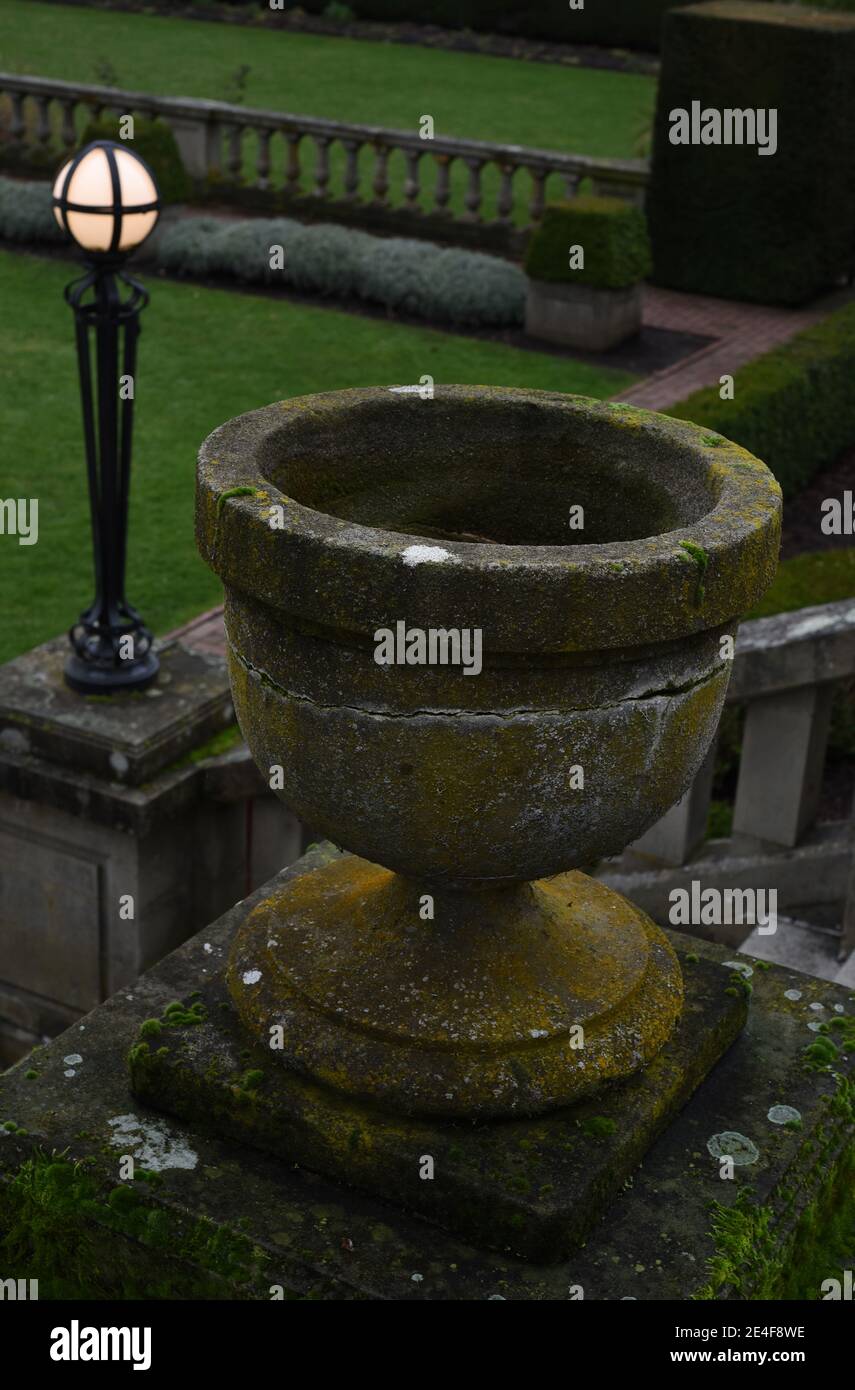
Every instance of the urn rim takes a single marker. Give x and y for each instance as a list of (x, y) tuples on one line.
[(340, 574)]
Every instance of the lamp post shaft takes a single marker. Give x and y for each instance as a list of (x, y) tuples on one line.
[(111, 646)]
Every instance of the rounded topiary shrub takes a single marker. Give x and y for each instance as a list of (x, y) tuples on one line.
[(154, 142), (612, 235)]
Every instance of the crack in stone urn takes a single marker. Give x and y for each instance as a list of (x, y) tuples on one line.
[(477, 798)]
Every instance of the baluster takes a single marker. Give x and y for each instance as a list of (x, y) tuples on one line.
[(571, 184), (776, 798), (263, 164), (235, 160), (351, 169), (442, 192), (472, 197), (43, 121), (505, 202), (674, 838), (322, 165), (292, 168), (380, 183), (18, 124), (69, 134), (538, 181), (411, 183)]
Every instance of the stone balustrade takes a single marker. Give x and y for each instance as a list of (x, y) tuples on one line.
[(237, 146), (786, 671)]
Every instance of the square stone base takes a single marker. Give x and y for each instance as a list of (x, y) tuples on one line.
[(207, 1216), (582, 316), (532, 1186)]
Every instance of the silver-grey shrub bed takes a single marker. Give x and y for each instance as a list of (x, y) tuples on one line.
[(406, 276)]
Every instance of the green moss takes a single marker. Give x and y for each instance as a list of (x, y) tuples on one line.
[(701, 559), (760, 1255), (223, 497), (57, 1225), (31, 1074), (150, 1028), (598, 1127), (178, 1015), (213, 747)]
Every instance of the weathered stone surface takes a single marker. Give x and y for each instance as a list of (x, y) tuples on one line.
[(604, 682), (660, 1238), (126, 739), (101, 876), (534, 1186), (787, 650), (359, 473), (815, 871), (582, 316), (579, 669), (509, 1002)]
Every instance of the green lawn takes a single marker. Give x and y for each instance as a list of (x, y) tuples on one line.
[(825, 576), (575, 110), (204, 355)]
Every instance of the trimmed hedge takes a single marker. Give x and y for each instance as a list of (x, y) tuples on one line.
[(614, 23), (405, 276), (26, 212), (725, 220), (610, 23), (795, 407), (612, 233), (154, 142)]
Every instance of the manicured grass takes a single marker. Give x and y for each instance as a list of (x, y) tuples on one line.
[(205, 355), (576, 110), (825, 576)]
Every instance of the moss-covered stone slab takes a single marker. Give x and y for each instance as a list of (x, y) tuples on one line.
[(126, 739), (534, 1186), (206, 1215)]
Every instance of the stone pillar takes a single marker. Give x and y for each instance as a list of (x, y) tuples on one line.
[(780, 770), (200, 144), (118, 837), (674, 838)]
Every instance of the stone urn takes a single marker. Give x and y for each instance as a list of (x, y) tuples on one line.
[(449, 966)]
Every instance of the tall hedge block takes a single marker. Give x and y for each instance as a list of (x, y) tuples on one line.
[(724, 219)]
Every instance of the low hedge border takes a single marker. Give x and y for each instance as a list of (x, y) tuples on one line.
[(794, 408), (406, 276), (612, 233)]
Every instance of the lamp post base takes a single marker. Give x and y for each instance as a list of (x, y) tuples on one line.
[(120, 678)]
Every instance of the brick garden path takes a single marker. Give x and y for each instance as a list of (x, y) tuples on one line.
[(741, 331)]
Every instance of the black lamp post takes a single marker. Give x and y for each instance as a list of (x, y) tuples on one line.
[(106, 199)]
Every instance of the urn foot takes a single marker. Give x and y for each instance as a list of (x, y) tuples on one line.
[(495, 1003)]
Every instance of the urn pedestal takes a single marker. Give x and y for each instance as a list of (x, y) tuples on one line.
[(458, 967)]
